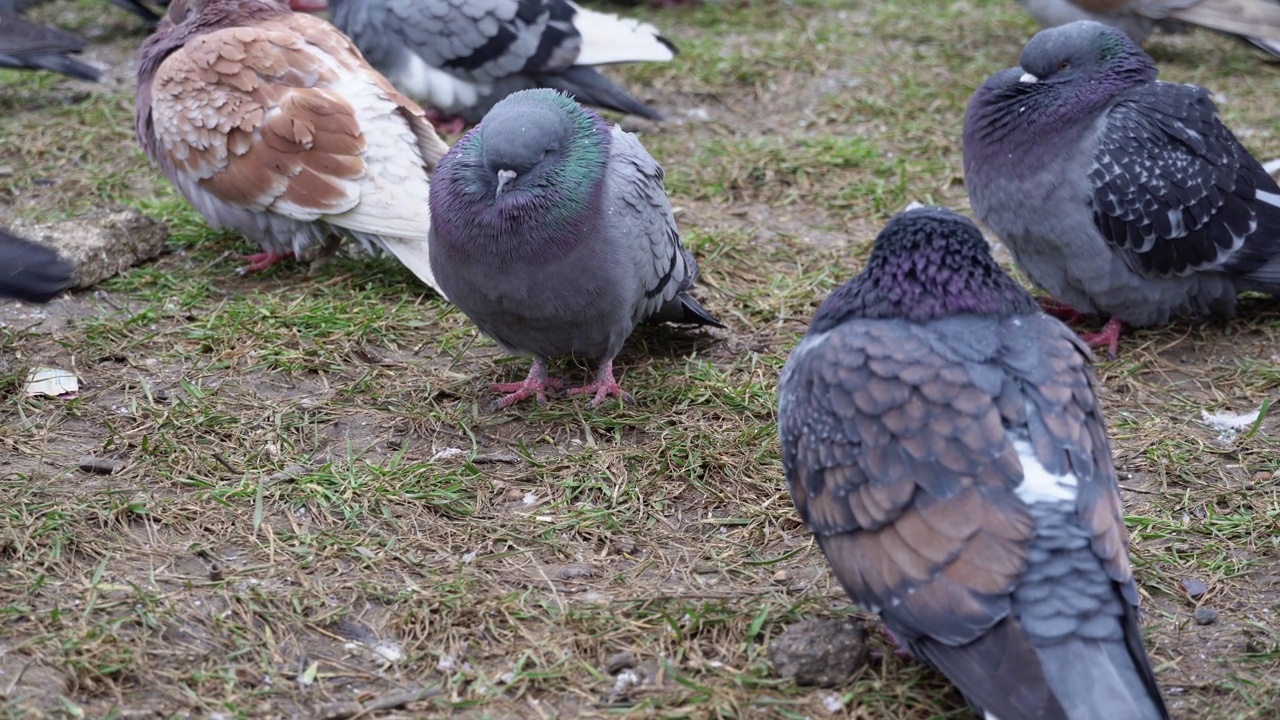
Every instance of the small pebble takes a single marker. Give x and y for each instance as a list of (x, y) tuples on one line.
[(1194, 587), (1205, 616), (99, 466), (619, 661)]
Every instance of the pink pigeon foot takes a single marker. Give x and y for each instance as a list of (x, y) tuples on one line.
[(1108, 338), (1060, 310), (263, 260), (900, 648), (603, 386), (535, 385), (446, 124)]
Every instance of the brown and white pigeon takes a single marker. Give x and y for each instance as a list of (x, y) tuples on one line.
[(1257, 21), (31, 272), (942, 439), (462, 56), (24, 44), (271, 123)]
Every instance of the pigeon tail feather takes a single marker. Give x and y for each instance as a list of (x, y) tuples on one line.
[(608, 39), (1251, 18), (415, 255), (31, 272), (1097, 679), (56, 63), (684, 309), (588, 86)]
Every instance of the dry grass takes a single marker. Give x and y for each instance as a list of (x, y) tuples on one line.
[(314, 506)]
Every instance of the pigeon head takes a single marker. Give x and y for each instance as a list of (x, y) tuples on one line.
[(1083, 52), (925, 264), (1067, 75), (534, 165)]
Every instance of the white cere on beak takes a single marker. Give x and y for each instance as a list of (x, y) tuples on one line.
[(1028, 78), (504, 177)]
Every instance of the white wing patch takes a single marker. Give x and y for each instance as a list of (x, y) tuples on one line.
[(436, 87), (1038, 484)]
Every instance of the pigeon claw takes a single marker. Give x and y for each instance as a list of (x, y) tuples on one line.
[(534, 386), (261, 261), (517, 391), (603, 386), (1108, 338)]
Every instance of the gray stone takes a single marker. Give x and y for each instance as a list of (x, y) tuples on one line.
[(101, 245), (825, 653)]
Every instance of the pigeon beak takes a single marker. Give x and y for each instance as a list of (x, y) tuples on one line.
[(1028, 78), (504, 177)]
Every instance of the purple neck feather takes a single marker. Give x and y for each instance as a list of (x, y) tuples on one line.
[(925, 278), (515, 226)]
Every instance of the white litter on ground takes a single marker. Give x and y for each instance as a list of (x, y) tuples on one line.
[(52, 382), (1229, 424)]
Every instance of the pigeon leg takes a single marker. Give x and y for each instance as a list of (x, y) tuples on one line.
[(1108, 338), (536, 385), (603, 386), (900, 648), (1060, 310), (447, 124), (263, 260)]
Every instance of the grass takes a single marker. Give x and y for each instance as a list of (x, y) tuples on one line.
[(314, 506)]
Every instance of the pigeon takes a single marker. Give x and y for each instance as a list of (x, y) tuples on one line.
[(942, 439), (462, 56), (31, 272), (1115, 193), (137, 8), (24, 44), (1257, 21), (271, 123), (553, 233)]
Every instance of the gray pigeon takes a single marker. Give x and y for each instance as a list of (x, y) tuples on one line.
[(461, 57), (1257, 21), (942, 440), (24, 44), (1115, 193), (553, 233), (270, 122), (31, 272)]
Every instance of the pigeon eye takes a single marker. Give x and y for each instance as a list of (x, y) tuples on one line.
[(1063, 65)]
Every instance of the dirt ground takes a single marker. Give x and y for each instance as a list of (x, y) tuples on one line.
[(311, 512)]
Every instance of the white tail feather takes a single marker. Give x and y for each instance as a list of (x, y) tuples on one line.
[(612, 39), (414, 255)]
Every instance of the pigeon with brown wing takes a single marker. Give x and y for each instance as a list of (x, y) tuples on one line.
[(271, 123), (942, 439)]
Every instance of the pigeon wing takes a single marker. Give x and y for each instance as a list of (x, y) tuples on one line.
[(286, 117), (639, 221), (897, 448), (487, 40), (1176, 193)]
